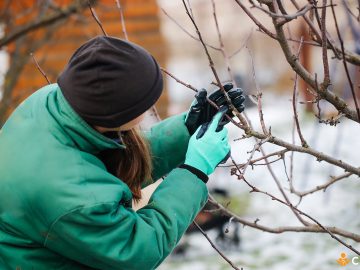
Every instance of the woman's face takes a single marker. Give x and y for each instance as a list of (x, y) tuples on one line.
[(127, 126)]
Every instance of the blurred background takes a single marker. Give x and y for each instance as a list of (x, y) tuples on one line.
[(52, 30)]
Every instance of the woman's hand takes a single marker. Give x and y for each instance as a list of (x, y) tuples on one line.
[(201, 111), (208, 146)]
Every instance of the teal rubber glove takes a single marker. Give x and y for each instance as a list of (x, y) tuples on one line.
[(207, 151)]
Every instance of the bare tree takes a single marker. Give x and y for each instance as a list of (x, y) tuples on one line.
[(316, 17)]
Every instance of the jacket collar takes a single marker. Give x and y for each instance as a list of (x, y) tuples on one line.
[(82, 134)]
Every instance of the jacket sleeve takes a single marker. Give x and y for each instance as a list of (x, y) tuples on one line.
[(110, 236), (168, 143)]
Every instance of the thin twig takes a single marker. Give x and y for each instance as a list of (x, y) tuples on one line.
[(242, 46), (323, 186), (326, 81), (288, 17), (178, 80), (255, 148), (291, 174), (268, 162), (255, 20), (294, 102), (39, 68), (253, 161), (281, 7), (123, 26), (221, 42), (217, 250), (345, 64), (258, 94), (186, 31), (348, 10), (93, 13), (190, 8)]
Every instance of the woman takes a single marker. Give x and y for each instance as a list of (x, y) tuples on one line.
[(59, 206)]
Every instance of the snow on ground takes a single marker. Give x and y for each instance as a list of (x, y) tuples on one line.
[(338, 206)]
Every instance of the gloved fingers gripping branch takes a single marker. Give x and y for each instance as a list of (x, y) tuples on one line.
[(237, 98), (219, 99), (201, 111), (196, 112), (218, 96), (205, 152)]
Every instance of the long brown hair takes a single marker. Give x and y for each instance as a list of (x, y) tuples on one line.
[(133, 164)]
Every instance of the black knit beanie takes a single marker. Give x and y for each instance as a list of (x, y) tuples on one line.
[(109, 81)]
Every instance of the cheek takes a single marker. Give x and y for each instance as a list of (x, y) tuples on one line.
[(133, 123), (130, 125), (142, 117)]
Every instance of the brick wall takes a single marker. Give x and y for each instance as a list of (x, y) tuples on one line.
[(142, 24)]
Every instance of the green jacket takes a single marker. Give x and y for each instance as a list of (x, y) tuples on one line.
[(61, 209)]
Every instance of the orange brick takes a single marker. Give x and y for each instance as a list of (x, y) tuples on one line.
[(142, 25)]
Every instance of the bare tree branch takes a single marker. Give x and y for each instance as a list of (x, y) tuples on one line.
[(186, 31), (323, 186), (349, 56), (292, 59), (256, 21), (217, 250), (301, 12), (278, 230), (290, 147), (122, 18), (271, 139), (252, 162), (39, 68), (57, 15), (326, 80), (258, 95), (345, 64), (93, 13), (211, 63), (294, 102)]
